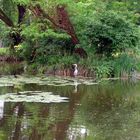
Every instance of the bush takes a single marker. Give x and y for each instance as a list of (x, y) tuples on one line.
[(4, 52), (123, 64), (24, 51), (67, 61), (110, 33), (116, 67), (42, 44), (102, 68)]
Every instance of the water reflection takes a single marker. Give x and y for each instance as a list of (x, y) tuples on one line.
[(1, 109), (75, 86), (109, 111), (74, 132)]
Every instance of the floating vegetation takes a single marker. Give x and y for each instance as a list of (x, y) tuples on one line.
[(53, 81), (33, 96), (6, 85)]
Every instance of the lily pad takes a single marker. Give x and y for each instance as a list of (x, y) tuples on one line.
[(6, 85), (33, 96), (53, 81)]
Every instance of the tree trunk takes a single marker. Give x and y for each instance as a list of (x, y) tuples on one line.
[(6, 19), (21, 13), (62, 22), (16, 37)]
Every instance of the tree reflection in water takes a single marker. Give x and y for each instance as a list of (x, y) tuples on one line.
[(36, 121), (108, 111), (1, 109)]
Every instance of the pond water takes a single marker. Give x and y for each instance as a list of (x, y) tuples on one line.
[(104, 111)]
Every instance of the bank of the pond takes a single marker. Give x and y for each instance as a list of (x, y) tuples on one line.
[(60, 71), (15, 66), (9, 59), (9, 65), (7, 56), (82, 72), (7, 68), (92, 66)]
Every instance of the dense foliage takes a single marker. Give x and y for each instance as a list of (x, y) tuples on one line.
[(106, 33)]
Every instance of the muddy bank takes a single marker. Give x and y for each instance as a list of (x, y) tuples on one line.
[(87, 73), (11, 68), (69, 72), (9, 59), (15, 66)]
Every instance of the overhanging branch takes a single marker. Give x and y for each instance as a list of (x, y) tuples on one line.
[(6, 19), (63, 21)]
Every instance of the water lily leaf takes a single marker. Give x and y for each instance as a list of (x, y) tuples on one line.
[(6, 85), (33, 96), (53, 81)]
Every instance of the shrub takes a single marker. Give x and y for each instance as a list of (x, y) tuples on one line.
[(4, 52), (42, 44), (67, 61), (111, 33), (123, 64)]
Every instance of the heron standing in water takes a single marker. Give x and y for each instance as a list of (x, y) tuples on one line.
[(74, 74), (75, 70)]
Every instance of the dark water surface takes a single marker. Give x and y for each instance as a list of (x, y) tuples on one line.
[(108, 111)]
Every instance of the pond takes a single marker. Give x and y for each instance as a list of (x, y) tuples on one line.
[(105, 111)]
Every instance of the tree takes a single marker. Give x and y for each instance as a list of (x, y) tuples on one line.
[(10, 20), (111, 33), (59, 21)]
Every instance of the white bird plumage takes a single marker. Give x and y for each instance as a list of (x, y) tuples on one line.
[(75, 73)]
